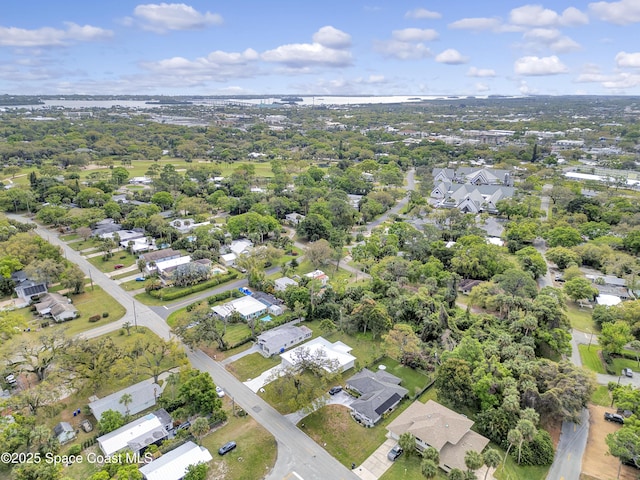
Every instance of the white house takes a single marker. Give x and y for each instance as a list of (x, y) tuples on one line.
[(282, 283), (279, 339), (333, 351), (143, 396), (137, 435), (240, 246), (174, 464), (228, 259), (318, 275), (248, 308), (164, 265)]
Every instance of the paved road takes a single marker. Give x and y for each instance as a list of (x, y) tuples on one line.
[(410, 186), (567, 463), (296, 451)]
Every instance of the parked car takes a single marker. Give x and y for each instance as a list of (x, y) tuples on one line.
[(627, 372), (140, 279), (226, 448), (334, 390), (614, 417), (183, 426), (220, 392), (118, 266), (394, 453)]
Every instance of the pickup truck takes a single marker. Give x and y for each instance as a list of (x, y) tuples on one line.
[(613, 417)]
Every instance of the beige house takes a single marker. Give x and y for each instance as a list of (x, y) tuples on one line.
[(436, 426)]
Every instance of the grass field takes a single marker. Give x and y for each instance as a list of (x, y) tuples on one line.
[(601, 396), (591, 358), (409, 467), (580, 318), (413, 380), (618, 363), (122, 258), (254, 456), (251, 366)]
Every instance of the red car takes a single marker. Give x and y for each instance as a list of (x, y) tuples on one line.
[(118, 266)]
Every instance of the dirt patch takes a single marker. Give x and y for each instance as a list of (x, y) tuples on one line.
[(596, 462), (554, 429)]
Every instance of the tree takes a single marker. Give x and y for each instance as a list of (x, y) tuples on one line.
[(201, 327), (563, 257), (517, 283), (407, 442), (156, 354), (635, 346), (110, 420), (372, 314), (126, 400), (314, 227), (456, 474), (532, 261), (199, 394), (454, 383), (614, 336), (528, 432), (72, 278), (514, 437), (319, 253), (624, 444), (92, 361), (199, 427), (429, 468), (563, 236), (401, 342), (197, 472), (84, 232), (46, 270), (11, 322), (39, 357), (580, 288), (491, 460), (38, 471), (432, 454), (473, 460)]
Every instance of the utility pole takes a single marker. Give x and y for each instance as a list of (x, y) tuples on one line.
[(135, 317)]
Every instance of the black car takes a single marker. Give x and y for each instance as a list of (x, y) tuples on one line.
[(227, 447), (334, 390), (394, 453), (614, 417)]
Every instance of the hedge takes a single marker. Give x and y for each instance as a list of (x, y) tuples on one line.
[(172, 293)]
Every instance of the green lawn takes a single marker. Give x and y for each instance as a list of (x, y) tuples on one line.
[(131, 285), (251, 366), (413, 380), (618, 363), (122, 257), (601, 396), (580, 318), (70, 237), (409, 467), (512, 471), (254, 456), (591, 358)]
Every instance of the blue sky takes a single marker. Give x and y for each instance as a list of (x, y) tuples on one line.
[(329, 47)]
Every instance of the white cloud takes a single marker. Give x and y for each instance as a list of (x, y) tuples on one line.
[(476, 24), (628, 60), (536, 66), (217, 66), (329, 49), (551, 38), (481, 72), (451, 57), (538, 16), (164, 17), (623, 12), (616, 83), (48, 37), (402, 50), (482, 87), (332, 37), (422, 13), (415, 35), (525, 89), (302, 55)]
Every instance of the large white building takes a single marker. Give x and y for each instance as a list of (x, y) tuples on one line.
[(248, 308), (139, 434), (333, 351), (174, 464)]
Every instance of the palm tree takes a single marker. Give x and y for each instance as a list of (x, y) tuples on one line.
[(513, 437), (126, 399), (429, 468), (473, 460), (491, 460), (432, 454), (199, 427), (456, 474)]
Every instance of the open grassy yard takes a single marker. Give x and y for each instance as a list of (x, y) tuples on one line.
[(618, 363), (591, 358), (254, 456), (601, 396), (409, 467), (251, 366), (84, 245), (512, 471), (413, 380), (122, 257), (580, 318)]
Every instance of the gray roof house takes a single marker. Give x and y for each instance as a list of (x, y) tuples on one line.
[(57, 307), (174, 464), (277, 340), (380, 392), (143, 396), (139, 434), (282, 283), (470, 198), (64, 432)]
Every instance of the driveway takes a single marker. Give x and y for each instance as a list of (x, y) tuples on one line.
[(377, 463)]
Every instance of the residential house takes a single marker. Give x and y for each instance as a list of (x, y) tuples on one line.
[(282, 283), (294, 218), (274, 305), (380, 393), (152, 258), (167, 273), (279, 339), (434, 425), (26, 290), (175, 464), (337, 351), (64, 432), (139, 434), (240, 246), (143, 396), (466, 285), (139, 245), (108, 225), (319, 275), (469, 198), (123, 235), (141, 181), (248, 308), (228, 259), (163, 266), (57, 307), (185, 225)]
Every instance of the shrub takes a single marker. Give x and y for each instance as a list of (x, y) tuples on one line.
[(173, 293), (74, 450), (122, 256), (94, 318), (105, 314), (539, 451)]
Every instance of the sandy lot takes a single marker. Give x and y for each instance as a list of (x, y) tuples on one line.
[(596, 462)]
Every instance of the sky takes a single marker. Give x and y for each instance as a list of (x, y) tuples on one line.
[(328, 47)]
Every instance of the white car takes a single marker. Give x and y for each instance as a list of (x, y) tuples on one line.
[(220, 392)]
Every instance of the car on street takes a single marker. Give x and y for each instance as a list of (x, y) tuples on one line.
[(334, 390), (140, 279), (394, 453), (226, 448), (118, 266), (220, 392), (627, 372), (614, 417)]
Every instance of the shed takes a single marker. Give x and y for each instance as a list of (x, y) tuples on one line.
[(64, 432)]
